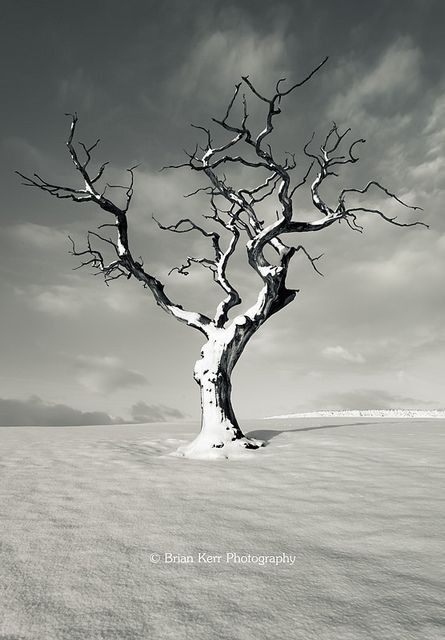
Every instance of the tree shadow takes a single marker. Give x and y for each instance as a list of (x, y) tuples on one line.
[(268, 434)]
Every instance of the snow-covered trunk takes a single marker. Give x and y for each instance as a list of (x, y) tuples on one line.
[(212, 373), (220, 433)]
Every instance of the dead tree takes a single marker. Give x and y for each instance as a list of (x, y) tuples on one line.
[(233, 211)]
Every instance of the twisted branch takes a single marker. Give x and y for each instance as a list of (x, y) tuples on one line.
[(241, 217)]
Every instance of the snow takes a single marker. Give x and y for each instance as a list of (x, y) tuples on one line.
[(367, 413), (203, 448), (91, 516)]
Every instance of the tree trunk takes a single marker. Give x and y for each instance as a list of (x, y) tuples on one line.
[(220, 435)]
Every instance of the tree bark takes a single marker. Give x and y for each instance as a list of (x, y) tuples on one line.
[(220, 435)]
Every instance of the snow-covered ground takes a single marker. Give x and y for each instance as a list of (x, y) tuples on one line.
[(343, 521), (367, 413)]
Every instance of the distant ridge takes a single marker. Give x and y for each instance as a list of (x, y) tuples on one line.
[(366, 413)]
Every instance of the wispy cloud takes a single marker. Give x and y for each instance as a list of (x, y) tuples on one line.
[(380, 89), (78, 88), (39, 236), (106, 374), (340, 354), (223, 56), (57, 300), (83, 296)]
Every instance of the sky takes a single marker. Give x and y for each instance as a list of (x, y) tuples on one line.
[(368, 334)]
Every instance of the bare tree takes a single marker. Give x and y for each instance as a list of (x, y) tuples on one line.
[(234, 211)]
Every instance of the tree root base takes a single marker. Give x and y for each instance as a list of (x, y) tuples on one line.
[(203, 449)]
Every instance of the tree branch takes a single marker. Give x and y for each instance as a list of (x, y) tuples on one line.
[(125, 265), (384, 189), (392, 220), (244, 211)]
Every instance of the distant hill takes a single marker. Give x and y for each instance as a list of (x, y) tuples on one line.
[(367, 413)]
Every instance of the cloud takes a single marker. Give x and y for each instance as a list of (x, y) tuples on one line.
[(142, 412), (54, 300), (78, 88), (340, 354), (368, 399), (428, 150), (106, 374), (435, 124), (385, 86), (57, 300), (36, 412), (20, 149), (221, 57), (82, 297), (122, 301), (40, 236)]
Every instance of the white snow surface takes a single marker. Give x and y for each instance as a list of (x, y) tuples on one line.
[(358, 504), (366, 413)]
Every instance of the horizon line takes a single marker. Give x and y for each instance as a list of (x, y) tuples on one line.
[(372, 413)]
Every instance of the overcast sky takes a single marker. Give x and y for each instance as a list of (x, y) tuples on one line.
[(370, 334)]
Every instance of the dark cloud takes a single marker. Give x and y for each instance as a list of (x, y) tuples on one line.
[(35, 412), (368, 399), (142, 412)]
